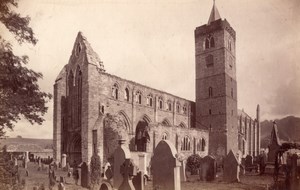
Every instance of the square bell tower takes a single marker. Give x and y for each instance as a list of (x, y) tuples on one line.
[(216, 86)]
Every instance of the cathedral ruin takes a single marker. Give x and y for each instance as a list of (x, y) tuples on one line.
[(88, 101)]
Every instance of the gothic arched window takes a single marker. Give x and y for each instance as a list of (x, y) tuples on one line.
[(138, 97), (150, 100), (178, 107), (160, 103), (126, 95), (210, 92), (206, 43), (115, 91), (169, 105), (164, 136), (203, 144), (212, 42), (184, 109)]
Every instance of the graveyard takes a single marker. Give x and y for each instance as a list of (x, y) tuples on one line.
[(167, 174)]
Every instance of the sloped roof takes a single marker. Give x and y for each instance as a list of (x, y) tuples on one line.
[(91, 55), (24, 148)]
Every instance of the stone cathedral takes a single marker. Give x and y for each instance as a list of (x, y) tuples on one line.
[(91, 105)]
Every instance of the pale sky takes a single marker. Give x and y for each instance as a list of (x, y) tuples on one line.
[(152, 42)]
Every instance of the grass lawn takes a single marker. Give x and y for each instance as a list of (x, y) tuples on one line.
[(250, 181)]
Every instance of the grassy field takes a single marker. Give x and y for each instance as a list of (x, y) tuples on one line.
[(248, 182)]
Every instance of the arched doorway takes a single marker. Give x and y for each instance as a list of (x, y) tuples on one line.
[(75, 156), (142, 134)]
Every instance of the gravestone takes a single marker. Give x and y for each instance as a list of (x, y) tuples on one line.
[(108, 174), (63, 160), (182, 171), (248, 161), (121, 153), (295, 173), (165, 167), (128, 170), (61, 186), (107, 171), (138, 181), (84, 175), (68, 167), (231, 168), (208, 168), (105, 185)]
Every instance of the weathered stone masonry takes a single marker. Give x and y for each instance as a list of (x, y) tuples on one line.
[(85, 95)]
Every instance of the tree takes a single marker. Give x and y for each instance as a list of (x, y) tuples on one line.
[(193, 163), (20, 95)]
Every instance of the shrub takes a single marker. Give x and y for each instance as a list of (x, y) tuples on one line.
[(193, 163), (95, 169)]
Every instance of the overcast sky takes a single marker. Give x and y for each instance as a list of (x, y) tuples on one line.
[(152, 43)]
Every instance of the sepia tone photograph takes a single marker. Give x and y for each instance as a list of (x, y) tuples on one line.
[(149, 95)]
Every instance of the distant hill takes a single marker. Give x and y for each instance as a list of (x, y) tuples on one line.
[(44, 143), (288, 129)]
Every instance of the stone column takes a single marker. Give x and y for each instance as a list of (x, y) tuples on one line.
[(155, 108), (63, 160), (250, 138), (26, 156), (258, 137), (182, 171), (255, 139)]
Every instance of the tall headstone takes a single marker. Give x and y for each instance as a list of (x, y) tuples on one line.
[(182, 170), (166, 167), (120, 155), (295, 173), (138, 181), (208, 168), (63, 160), (84, 175), (231, 168), (128, 170)]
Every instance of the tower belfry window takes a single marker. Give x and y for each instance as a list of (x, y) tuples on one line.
[(209, 61), (212, 42), (210, 92), (206, 43)]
